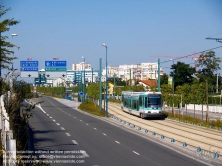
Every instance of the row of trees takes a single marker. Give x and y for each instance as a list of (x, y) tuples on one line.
[(208, 65)]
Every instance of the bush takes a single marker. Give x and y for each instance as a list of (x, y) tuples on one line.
[(114, 100), (90, 107)]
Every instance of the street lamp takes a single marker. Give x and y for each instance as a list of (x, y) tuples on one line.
[(106, 82), (173, 87), (16, 46), (84, 87)]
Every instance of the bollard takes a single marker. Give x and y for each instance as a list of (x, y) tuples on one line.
[(172, 140), (210, 127), (120, 120), (133, 126), (172, 118), (178, 120), (128, 124), (216, 155), (153, 133), (184, 144), (124, 122), (139, 128), (192, 123), (146, 131), (199, 149), (201, 125), (162, 137), (220, 129), (185, 121)]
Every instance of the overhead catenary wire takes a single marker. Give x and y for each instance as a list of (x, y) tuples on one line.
[(192, 54)]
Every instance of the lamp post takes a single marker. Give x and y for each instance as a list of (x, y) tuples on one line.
[(106, 82), (84, 80), (114, 85), (173, 88), (12, 43)]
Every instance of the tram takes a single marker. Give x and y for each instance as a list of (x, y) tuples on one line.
[(142, 104)]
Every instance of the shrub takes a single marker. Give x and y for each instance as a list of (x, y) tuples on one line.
[(90, 107)]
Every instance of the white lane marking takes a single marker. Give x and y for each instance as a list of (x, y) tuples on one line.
[(74, 117), (47, 114), (95, 128), (81, 120), (84, 153), (87, 124), (117, 142), (136, 153), (104, 134), (40, 108), (53, 120), (50, 117), (74, 142), (68, 134), (58, 124), (62, 128)]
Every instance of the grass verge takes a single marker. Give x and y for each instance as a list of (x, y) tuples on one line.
[(91, 108), (214, 124)]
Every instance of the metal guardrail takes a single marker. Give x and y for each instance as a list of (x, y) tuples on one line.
[(8, 143)]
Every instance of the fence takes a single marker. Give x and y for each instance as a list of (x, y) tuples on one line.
[(8, 143), (212, 108)]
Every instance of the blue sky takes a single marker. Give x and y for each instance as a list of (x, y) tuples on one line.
[(134, 30)]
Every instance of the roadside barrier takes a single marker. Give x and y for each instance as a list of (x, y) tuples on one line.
[(8, 143)]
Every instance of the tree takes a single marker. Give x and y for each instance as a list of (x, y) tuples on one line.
[(186, 89), (5, 52), (166, 91), (164, 79), (209, 63), (183, 73)]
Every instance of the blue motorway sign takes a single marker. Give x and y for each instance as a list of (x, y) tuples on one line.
[(29, 63), (29, 69), (55, 63)]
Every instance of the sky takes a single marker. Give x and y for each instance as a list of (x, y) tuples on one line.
[(135, 31)]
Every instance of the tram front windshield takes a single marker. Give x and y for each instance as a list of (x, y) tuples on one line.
[(154, 101)]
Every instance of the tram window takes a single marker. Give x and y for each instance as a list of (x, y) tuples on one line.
[(134, 104), (125, 102), (122, 97), (140, 101), (145, 101)]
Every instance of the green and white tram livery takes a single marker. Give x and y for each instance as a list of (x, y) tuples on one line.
[(142, 104)]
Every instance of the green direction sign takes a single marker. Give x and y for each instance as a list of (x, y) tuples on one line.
[(56, 69)]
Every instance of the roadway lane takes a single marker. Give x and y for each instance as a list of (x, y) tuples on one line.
[(64, 128)]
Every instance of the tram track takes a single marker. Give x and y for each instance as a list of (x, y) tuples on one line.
[(185, 126), (192, 135)]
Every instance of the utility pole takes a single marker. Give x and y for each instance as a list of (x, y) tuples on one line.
[(207, 101), (130, 81), (158, 75), (100, 84)]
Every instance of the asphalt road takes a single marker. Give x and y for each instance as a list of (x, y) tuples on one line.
[(58, 128)]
